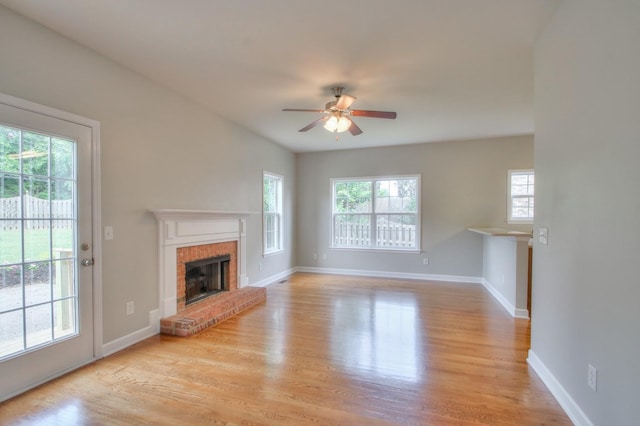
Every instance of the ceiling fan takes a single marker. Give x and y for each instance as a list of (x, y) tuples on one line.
[(338, 114)]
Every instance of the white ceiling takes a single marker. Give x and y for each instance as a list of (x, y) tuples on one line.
[(451, 69)]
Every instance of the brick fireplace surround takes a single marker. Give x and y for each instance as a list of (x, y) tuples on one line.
[(191, 235)]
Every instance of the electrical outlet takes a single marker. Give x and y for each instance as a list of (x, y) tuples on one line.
[(425, 260), (130, 308), (592, 377), (324, 256), (260, 266), (315, 256)]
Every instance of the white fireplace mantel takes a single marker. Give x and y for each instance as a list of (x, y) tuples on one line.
[(184, 228)]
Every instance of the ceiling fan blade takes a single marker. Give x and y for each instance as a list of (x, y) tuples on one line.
[(344, 102), (315, 123), (354, 129), (303, 110), (374, 114)]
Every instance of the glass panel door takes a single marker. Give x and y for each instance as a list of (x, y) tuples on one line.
[(38, 288), (46, 296)]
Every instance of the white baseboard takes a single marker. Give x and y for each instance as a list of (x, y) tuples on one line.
[(274, 278), (389, 274), (521, 313), (137, 336), (573, 410), (515, 312), (41, 381), (154, 321)]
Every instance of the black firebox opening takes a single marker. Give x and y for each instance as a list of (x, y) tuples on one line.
[(206, 277)]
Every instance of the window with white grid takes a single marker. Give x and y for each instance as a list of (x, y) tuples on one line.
[(376, 213), (272, 213), (520, 199)]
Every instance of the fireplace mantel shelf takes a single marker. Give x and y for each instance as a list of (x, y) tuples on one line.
[(169, 214)]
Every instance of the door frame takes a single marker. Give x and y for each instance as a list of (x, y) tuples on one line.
[(95, 207)]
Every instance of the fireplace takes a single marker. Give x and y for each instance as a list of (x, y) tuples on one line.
[(202, 269), (204, 278), (189, 235)]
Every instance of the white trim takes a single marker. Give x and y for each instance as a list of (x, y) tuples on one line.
[(568, 404), (274, 278), (181, 214), (33, 385), (373, 214), (388, 274), (137, 336), (185, 228), (377, 250), (154, 321), (273, 253), (519, 222), (97, 241), (512, 220), (154, 316), (515, 312), (95, 202), (280, 204)]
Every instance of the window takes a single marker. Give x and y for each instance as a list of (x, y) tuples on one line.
[(376, 213), (520, 199), (272, 213)]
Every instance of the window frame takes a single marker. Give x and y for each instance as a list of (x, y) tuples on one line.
[(510, 197), (373, 214), (279, 237)]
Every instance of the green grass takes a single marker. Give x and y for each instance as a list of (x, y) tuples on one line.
[(37, 244)]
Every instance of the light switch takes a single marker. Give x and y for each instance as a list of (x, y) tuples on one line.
[(543, 236), (108, 232)]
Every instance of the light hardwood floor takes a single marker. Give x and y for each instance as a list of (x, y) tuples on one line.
[(323, 350)]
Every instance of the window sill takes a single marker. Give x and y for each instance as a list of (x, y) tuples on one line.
[(272, 253), (520, 222), (377, 250)]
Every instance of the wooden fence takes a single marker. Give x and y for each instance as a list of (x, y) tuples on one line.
[(357, 235), (35, 212)]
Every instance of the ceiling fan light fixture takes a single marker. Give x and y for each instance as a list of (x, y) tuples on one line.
[(338, 113), (338, 124)]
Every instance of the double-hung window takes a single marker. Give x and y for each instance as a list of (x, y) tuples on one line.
[(376, 213), (272, 213), (520, 197)]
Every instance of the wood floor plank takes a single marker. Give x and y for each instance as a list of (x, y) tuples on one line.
[(323, 350)]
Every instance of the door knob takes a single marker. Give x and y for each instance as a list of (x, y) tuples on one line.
[(86, 262)]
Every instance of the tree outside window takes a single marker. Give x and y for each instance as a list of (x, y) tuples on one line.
[(378, 213)]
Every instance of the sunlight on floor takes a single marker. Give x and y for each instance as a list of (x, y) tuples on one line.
[(378, 335)]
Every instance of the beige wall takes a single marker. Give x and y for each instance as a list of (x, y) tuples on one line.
[(463, 184), (159, 150), (587, 154)]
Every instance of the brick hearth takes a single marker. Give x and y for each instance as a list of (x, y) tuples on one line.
[(190, 319), (211, 311)]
